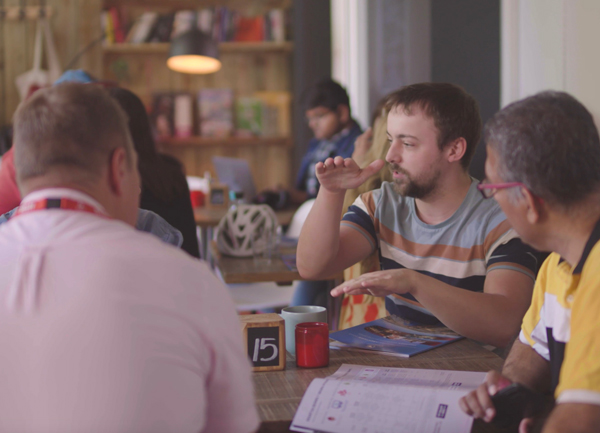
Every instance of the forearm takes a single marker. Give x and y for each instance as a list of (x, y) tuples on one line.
[(484, 317), (526, 366), (318, 245)]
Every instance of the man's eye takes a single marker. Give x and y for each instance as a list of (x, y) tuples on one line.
[(408, 144)]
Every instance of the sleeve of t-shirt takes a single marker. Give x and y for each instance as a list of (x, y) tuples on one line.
[(579, 380), (533, 328), (509, 252), (360, 217)]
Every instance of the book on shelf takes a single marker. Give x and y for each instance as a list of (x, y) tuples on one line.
[(117, 25), (142, 28), (250, 29), (107, 28), (369, 399), (183, 21), (219, 22), (183, 117), (277, 113), (248, 116), (161, 32), (215, 110), (162, 115), (393, 335)]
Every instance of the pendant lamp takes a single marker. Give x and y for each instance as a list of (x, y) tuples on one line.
[(194, 52)]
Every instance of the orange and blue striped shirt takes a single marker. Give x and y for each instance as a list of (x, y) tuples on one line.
[(460, 251)]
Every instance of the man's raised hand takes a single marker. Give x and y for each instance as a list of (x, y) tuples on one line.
[(339, 174)]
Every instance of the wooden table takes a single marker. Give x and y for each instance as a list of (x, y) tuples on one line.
[(210, 217), (278, 393), (240, 270)]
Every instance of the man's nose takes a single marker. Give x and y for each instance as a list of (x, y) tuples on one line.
[(394, 154)]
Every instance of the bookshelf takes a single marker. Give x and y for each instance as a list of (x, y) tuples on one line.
[(247, 68), (224, 47)]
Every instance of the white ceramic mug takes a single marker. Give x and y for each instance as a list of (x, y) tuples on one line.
[(300, 314)]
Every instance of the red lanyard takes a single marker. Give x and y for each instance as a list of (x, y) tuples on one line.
[(57, 203)]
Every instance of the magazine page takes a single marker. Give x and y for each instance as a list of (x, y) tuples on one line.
[(405, 325), (385, 335), (449, 379), (339, 406)]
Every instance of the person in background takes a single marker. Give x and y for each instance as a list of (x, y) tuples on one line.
[(105, 328), (369, 146), (447, 255), (164, 186), (543, 155), (329, 117)]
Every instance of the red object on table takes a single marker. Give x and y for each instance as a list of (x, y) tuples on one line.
[(197, 198), (312, 344)]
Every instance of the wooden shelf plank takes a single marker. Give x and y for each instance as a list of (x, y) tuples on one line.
[(224, 47), (231, 141), (242, 5)]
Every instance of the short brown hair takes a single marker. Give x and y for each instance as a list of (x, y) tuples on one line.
[(455, 113), (70, 126)]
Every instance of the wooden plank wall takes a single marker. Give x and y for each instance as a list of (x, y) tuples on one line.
[(75, 23)]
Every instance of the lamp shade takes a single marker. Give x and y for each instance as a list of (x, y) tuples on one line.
[(194, 52)]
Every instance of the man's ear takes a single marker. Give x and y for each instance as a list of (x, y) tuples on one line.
[(535, 209), (456, 149), (343, 112), (118, 166)]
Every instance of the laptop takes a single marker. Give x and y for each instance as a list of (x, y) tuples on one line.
[(236, 174)]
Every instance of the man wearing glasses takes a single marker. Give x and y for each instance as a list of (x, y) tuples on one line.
[(446, 253), (543, 163)]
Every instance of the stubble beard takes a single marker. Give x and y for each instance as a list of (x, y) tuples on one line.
[(416, 188)]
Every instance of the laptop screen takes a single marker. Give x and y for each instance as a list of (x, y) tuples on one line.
[(235, 173)]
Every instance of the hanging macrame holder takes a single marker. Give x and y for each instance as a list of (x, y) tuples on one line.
[(36, 78)]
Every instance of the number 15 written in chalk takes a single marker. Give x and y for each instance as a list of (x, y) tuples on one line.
[(261, 344)]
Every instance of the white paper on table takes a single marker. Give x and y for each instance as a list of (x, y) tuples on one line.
[(382, 399)]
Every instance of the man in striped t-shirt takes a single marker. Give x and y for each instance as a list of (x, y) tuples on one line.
[(446, 254)]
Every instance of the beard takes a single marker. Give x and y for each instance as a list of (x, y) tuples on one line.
[(414, 187)]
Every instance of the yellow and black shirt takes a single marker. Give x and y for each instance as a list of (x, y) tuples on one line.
[(563, 323)]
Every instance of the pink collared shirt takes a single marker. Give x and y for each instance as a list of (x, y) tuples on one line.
[(106, 329)]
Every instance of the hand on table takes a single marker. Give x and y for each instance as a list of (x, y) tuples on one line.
[(380, 283), (478, 403), (339, 174)]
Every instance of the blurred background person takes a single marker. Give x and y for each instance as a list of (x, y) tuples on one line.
[(164, 187)]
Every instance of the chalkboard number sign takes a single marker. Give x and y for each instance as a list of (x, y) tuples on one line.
[(218, 195), (264, 337)]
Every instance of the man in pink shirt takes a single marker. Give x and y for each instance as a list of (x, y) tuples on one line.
[(104, 328)]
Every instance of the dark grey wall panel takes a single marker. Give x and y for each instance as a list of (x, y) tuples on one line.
[(311, 62), (465, 43)]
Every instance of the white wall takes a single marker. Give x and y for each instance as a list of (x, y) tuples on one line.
[(551, 44), (379, 46), (349, 53)]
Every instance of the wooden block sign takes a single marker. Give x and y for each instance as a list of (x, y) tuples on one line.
[(218, 196), (264, 338)]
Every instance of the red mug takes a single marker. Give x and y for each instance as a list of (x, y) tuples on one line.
[(312, 344), (197, 198)]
